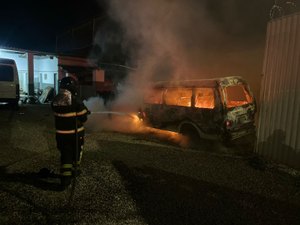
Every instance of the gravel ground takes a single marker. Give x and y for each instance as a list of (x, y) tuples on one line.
[(136, 179)]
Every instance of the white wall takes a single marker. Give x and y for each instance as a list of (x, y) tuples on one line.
[(45, 69)]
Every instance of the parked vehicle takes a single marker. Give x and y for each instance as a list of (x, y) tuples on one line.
[(212, 109), (9, 82)]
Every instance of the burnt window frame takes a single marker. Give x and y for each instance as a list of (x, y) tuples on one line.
[(246, 91), (161, 100), (214, 96), (178, 105)]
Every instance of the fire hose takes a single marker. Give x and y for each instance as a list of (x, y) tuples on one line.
[(117, 113), (110, 112)]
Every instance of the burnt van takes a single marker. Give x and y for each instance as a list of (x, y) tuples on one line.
[(212, 109), (9, 82)]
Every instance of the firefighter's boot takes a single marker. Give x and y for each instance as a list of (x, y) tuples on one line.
[(66, 175)]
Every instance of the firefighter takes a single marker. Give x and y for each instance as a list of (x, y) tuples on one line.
[(70, 114)]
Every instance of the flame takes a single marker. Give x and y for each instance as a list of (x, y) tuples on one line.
[(237, 96), (137, 126), (204, 97), (131, 123), (169, 136)]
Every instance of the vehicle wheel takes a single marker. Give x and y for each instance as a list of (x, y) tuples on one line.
[(193, 139)]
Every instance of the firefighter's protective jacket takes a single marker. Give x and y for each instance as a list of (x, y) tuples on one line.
[(69, 113)]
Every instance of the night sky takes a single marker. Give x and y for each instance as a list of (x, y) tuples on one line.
[(34, 24), (164, 38)]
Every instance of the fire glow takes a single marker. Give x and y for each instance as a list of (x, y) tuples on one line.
[(130, 123), (182, 97)]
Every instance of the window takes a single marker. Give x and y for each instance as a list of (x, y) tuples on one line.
[(178, 96), (237, 96), (154, 96), (6, 73), (204, 98)]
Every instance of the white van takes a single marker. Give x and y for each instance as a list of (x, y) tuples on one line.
[(9, 82)]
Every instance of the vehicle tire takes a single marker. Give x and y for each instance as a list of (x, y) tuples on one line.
[(193, 138)]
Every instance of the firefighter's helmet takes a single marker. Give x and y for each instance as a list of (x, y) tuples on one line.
[(68, 83)]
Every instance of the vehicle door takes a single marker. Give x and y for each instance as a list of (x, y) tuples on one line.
[(7, 82), (177, 104)]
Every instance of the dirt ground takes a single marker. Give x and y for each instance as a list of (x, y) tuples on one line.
[(136, 179)]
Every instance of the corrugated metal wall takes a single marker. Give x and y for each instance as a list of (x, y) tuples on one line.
[(278, 136)]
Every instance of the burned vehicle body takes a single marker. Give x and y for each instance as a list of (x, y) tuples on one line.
[(213, 109)]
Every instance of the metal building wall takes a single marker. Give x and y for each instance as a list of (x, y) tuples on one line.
[(278, 136)]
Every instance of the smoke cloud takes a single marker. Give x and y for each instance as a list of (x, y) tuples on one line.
[(175, 39), (167, 33)]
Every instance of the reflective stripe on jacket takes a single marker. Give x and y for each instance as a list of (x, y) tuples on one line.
[(69, 113), (69, 131)]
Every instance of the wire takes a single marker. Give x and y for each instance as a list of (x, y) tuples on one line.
[(277, 9)]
